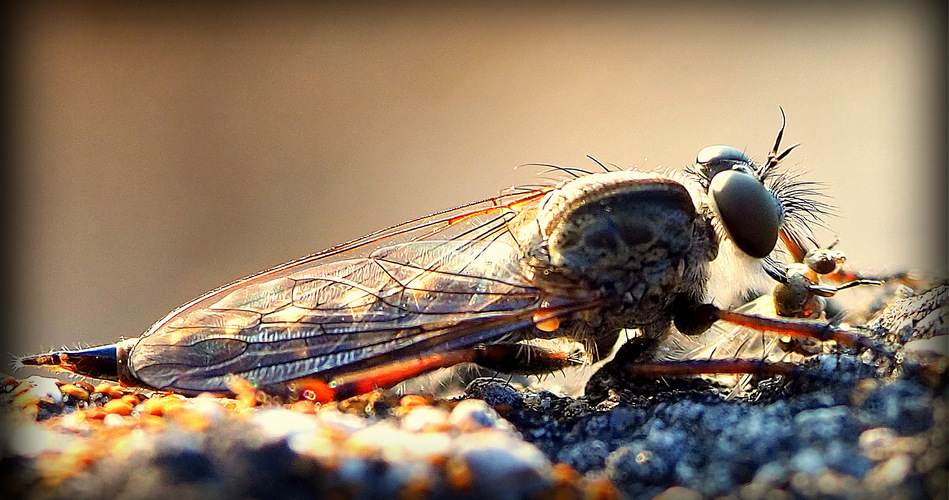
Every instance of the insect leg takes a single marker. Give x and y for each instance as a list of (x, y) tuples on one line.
[(528, 358), (692, 319), (711, 367), (800, 328), (381, 377), (505, 357)]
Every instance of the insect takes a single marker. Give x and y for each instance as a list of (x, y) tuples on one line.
[(582, 259)]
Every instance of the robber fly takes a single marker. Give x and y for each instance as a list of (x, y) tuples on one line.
[(581, 260)]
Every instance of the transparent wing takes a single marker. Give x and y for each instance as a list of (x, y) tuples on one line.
[(442, 282)]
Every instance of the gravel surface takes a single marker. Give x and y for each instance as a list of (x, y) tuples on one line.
[(843, 426)]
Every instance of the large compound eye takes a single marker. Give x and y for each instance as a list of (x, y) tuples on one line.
[(750, 213), (715, 159)]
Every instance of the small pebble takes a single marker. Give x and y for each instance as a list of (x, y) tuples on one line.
[(208, 406), (118, 407), (808, 461), (473, 414), (339, 423), (86, 386), (75, 391), (426, 419), (891, 472), (283, 424), (109, 389), (413, 400), (41, 388), (25, 400), (113, 420), (876, 443), (161, 405), (679, 493)]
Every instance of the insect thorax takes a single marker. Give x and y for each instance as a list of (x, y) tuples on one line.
[(636, 240)]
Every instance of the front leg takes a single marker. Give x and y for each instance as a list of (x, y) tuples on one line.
[(641, 359), (695, 318)]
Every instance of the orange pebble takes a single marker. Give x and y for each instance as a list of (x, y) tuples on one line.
[(25, 399), (601, 489), (192, 421), (118, 407), (22, 387), (161, 406), (96, 413), (304, 406), (413, 400), (563, 473), (131, 399), (111, 390), (85, 385), (75, 391)]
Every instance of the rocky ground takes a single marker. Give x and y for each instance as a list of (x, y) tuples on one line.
[(842, 426)]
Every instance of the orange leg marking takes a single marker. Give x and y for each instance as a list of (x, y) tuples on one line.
[(803, 329), (382, 377)]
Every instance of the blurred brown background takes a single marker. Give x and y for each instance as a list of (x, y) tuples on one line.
[(161, 150)]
